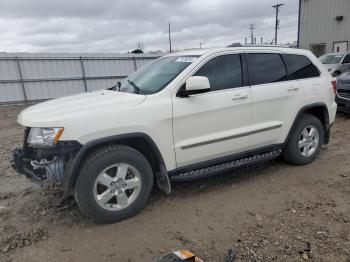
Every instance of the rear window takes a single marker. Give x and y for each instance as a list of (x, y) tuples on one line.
[(300, 67), (266, 68)]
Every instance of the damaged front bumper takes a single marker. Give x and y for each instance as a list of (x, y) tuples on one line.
[(22, 165), (45, 166)]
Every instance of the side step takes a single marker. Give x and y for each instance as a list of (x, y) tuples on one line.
[(213, 170)]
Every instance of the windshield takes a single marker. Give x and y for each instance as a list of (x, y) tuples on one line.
[(154, 76), (331, 59)]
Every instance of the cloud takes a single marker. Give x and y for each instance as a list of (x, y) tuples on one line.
[(117, 26)]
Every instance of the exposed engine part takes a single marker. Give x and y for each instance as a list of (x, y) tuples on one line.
[(54, 171)]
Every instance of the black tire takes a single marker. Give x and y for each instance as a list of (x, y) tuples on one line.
[(94, 165), (291, 152)]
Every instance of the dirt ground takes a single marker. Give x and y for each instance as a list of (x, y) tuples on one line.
[(271, 212)]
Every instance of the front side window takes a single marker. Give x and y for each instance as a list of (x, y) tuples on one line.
[(266, 68), (300, 67), (223, 72), (154, 76)]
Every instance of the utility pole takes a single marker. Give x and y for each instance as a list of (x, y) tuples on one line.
[(169, 38), (251, 34), (277, 7)]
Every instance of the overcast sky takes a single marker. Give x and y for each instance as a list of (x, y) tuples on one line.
[(117, 26)]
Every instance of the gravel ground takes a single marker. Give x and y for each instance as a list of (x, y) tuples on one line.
[(270, 212)]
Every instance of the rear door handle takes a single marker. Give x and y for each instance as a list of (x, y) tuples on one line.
[(293, 88), (240, 97)]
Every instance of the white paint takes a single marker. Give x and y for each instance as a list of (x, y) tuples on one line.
[(173, 122)]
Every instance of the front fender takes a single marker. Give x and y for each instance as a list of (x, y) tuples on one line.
[(72, 169)]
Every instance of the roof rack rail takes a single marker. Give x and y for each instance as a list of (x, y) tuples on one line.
[(286, 46)]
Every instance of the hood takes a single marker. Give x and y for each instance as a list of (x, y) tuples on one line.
[(55, 112), (343, 81), (330, 67)]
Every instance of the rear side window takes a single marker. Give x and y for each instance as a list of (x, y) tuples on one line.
[(266, 68), (223, 72), (300, 67)]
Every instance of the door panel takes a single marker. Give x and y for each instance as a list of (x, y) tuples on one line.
[(274, 110), (275, 100), (214, 124), (211, 125)]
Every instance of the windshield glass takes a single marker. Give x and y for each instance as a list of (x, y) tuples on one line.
[(331, 59), (154, 76)]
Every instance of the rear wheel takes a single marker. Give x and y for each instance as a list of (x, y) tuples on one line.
[(114, 183), (305, 141)]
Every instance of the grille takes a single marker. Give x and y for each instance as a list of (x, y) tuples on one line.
[(343, 93)]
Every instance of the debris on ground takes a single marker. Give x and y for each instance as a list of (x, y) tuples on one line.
[(14, 240), (179, 256), (230, 256)]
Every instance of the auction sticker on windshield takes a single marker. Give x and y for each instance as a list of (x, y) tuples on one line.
[(186, 59)]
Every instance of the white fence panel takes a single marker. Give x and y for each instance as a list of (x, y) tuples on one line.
[(11, 92), (53, 89), (30, 77)]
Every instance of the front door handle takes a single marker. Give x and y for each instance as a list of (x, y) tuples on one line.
[(293, 88), (240, 96)]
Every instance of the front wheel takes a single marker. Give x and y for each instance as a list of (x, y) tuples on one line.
[(305, 141), (114, 183)]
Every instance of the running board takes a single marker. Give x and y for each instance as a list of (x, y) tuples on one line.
[(231, 165)]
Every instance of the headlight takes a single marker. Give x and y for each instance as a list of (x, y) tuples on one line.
[(44, 137)]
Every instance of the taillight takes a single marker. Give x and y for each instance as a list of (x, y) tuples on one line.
[(334, 85)]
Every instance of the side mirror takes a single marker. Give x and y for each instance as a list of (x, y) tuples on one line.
[(197, 85)]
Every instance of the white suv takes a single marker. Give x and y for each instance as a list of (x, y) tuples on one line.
[(181, 117)]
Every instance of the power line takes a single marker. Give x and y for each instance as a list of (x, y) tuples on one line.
[(277, 7)]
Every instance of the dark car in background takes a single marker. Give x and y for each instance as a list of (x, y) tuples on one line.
[(343, 92)]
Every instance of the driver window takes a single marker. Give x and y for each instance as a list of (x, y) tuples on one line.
[(223, 72)]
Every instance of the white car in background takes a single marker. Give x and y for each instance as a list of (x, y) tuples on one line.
[(183, 116), (336, 63)]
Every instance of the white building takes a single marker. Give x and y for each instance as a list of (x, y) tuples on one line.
[(324, 26)]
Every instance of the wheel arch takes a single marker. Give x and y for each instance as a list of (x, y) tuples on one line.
[(337, 73), (318, 110), (139, 141)]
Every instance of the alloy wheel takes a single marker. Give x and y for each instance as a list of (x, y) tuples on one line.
[(117, 187), (308, 140)]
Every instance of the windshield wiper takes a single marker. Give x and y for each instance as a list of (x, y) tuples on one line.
[(137, 88), (115, 87)]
